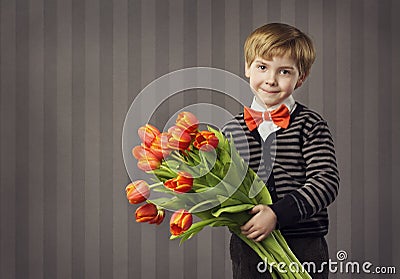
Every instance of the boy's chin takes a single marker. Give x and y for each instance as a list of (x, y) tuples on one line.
[(272, 100), (260, 101), (266, 102)]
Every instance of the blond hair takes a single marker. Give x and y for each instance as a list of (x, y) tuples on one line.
[(279, 39)]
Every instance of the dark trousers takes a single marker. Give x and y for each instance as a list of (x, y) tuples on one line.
[(309, 249)]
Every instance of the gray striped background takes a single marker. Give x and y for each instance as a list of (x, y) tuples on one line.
[(69, 71)]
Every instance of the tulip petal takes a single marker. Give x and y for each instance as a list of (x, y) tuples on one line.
[(149, 213), (205, 141), (180, 222), (147, 134), (188, 122), (137, 191), (180, 184)]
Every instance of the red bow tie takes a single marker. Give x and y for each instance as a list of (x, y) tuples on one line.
[(280, 117)]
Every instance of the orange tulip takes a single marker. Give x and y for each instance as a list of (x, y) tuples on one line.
[(147, 134), (146, 159), (181, 184), (137, 191), (180, 139), (206, 141), (188, 122), (149, 213), (180, 222), (159, 146)]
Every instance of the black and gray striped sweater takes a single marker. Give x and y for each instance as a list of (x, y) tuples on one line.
[(304, 178)]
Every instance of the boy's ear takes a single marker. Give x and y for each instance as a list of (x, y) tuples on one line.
[(246, 70), (300, 81)]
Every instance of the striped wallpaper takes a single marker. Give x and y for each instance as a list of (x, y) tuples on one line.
[(70, 70)]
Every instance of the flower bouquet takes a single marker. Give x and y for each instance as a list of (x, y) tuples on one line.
[(201, 173)]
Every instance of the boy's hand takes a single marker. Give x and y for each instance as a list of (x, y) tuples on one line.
[(261, 224)]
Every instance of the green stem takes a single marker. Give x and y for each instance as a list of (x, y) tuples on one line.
[(272, 252), (254, 245), (177, 156), (198, 206), (151, 186), (195, 157), (167, 169), (200, 185)]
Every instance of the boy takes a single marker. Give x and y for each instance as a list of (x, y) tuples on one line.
[(289, 146)]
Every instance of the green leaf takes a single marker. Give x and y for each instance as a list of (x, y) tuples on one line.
[(236, 192), (222, 141), (233, 209), (224, 157), (208, 159), (161, 174), (191, 170), (194, 156), (159, 201), (229, 201), (163, 190), (194, 229), (174, 204), (199, 205), (211, 179), (173, 165), (222, 223)]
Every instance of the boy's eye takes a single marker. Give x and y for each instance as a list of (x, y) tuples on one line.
[(262, 67), (284, 72)]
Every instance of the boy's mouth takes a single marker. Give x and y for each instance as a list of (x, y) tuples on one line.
[(269, 91)]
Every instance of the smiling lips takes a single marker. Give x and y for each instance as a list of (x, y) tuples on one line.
[(269, 92)]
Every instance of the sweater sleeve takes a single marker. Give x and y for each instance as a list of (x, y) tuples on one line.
[(322, 179)]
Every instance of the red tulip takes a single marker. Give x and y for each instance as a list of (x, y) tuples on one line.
[(181, 184), (180, 139), (149, 213), (137, 191), (180, 222), (146, 159), (188, 122), (206, 141), (147, 134)]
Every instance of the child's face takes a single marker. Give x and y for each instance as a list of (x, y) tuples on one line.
[(272, 81)]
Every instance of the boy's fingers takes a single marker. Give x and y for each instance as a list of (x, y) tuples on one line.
[(255, 209), (253, 235), (246, 227), (249, 228), (260, 238)]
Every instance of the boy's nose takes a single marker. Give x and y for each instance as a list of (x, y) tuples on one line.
[(270, 80)]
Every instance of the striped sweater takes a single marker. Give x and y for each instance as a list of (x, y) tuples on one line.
[(299, 166)]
